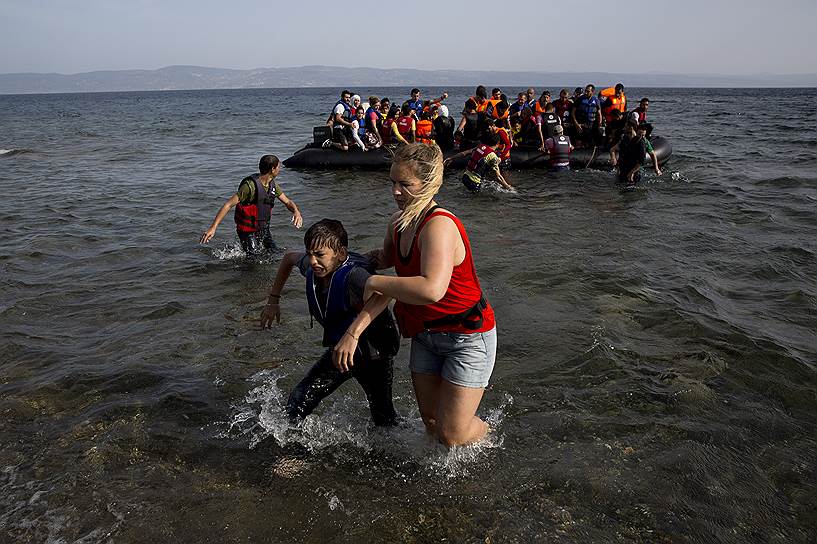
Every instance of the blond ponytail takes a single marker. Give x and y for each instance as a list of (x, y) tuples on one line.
[(426, 163)]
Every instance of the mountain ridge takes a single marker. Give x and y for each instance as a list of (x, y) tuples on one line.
[(191, 77)]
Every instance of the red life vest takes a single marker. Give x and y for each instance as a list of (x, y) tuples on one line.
[(385, 132), (642, 114), (404, 124), (503, 150), (255, 217), (462, 309), (423, 131), (479, 153)]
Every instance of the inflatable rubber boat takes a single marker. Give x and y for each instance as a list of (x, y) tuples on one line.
[(314, 156)]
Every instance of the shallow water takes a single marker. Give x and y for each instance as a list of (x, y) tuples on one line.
[(655, 379)]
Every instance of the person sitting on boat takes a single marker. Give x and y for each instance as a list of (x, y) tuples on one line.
[(539, 105), (483, 164), (404, 129), (341, 121), (335, 284), (564, 109), (480, 98), (425, 129), (418, 105), (586, 118), (373, 124), (559, 149), (385, 106), (549, 121), (531, 130), (356, 102), (530, 94), (359, 128), (515, 109), (471, 126), (388, 124), (253, 201), (615, 129), (612, 99), (443, 128), (639, 115)]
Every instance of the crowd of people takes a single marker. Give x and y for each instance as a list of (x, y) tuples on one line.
[(490, 126)]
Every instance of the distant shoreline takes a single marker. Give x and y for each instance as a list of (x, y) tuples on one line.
[(197, 78)]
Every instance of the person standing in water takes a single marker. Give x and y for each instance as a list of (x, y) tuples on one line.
[(253, 201), (440, 304), (335, 282)]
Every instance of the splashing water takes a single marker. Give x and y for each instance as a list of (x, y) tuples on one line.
[(344, 421)]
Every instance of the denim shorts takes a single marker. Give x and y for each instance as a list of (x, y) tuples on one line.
[(465, 359)]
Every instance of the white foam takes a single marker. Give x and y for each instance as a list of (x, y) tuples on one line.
[(343, 420), (6, 151)]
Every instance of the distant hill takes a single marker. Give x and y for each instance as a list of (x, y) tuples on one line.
[(197, 77)]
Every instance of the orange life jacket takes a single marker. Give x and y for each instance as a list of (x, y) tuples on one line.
[(481, 106), (423, 131)]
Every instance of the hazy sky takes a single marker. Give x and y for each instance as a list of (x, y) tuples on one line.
[(692, 36)]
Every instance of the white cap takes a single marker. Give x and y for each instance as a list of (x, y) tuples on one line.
[(443, 109)]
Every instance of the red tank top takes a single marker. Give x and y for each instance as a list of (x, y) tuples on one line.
[(463, 290)]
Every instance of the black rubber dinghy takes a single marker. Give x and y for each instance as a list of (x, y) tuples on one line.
[(315, 157)]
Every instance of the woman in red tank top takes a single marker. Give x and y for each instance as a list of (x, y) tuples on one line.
[(440, 304)]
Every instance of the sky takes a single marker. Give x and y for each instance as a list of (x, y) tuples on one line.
[(690, 37)]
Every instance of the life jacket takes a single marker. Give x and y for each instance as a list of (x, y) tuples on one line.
[(481, 106), (642, 114), (503, 150), (559, 154), (478, 156), (385, 132), (472, 128), (444, 132), (496, 115), (423, 131), (538, 108), (336, 316), (563, 109), (255, 217), (373, 126), (549, 122), (612, 102), (404, 126), (462, 309), (415, 105), (347, 113), (490, 104), (588, 108)]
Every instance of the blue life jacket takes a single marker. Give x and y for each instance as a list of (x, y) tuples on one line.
[(337, 316), (416, 105), (347, 112), (368, 123), (589, 108), (361, 127)]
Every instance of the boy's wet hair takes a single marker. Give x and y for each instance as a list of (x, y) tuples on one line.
[(405, 110), (267, 163), (326, 233)]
